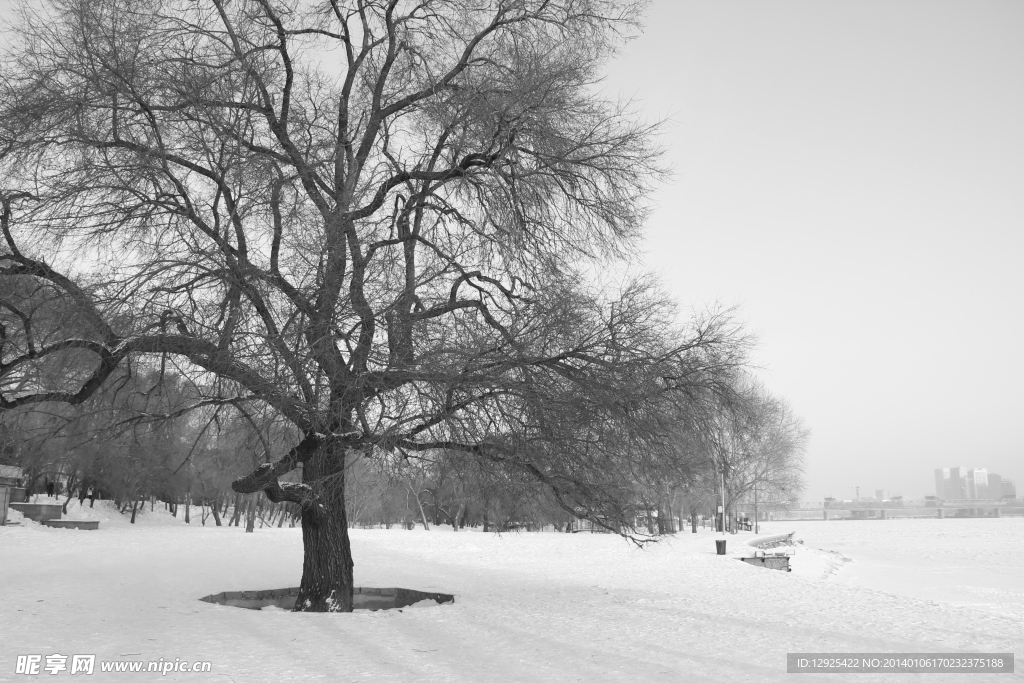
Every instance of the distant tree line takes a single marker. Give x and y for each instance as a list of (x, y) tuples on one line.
[(753, 445), (142, 439)]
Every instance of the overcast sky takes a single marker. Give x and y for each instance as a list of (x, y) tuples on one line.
[(852, 175)]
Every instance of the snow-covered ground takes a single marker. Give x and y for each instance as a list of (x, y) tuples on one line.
[(529, 606)]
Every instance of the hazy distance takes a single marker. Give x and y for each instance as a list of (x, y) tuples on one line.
[(852, 175)]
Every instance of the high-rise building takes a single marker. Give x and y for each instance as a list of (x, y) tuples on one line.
[(995, 486), (962, 483), (881, 494), (977, 483), (957, 484)]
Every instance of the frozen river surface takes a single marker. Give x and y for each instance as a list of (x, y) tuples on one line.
[(968, 562)]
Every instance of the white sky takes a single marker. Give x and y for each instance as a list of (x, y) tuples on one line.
[(852, 174)]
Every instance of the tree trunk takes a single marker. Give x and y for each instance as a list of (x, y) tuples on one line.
[(423, 514), (215, 509), (664, 519), (71, 483), (454, 519), (250, 516), (135, 506), (188, 504), (326, 584), (259, 511), (238, 510)]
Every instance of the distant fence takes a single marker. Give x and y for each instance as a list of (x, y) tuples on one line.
[(886, 509), (877, 505)]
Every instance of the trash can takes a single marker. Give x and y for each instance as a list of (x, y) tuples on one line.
[(720, 546)]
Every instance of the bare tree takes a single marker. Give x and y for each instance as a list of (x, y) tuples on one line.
[(370, 218), (772, 440), (755, 444)]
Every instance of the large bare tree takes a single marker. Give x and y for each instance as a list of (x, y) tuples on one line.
[(373, 217)]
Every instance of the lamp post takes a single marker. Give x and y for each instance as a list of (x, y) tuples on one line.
[(755, 508), (723, 500)]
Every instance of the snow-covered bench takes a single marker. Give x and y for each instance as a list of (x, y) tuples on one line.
[(771, 560), (773, 541)]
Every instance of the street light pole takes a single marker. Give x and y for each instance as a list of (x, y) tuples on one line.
[(723, 500), (755, 507)]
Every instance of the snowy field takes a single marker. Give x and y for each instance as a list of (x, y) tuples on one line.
[(529, 606)]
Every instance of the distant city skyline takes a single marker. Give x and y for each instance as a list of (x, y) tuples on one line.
[(977, 483), (951, 483)]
